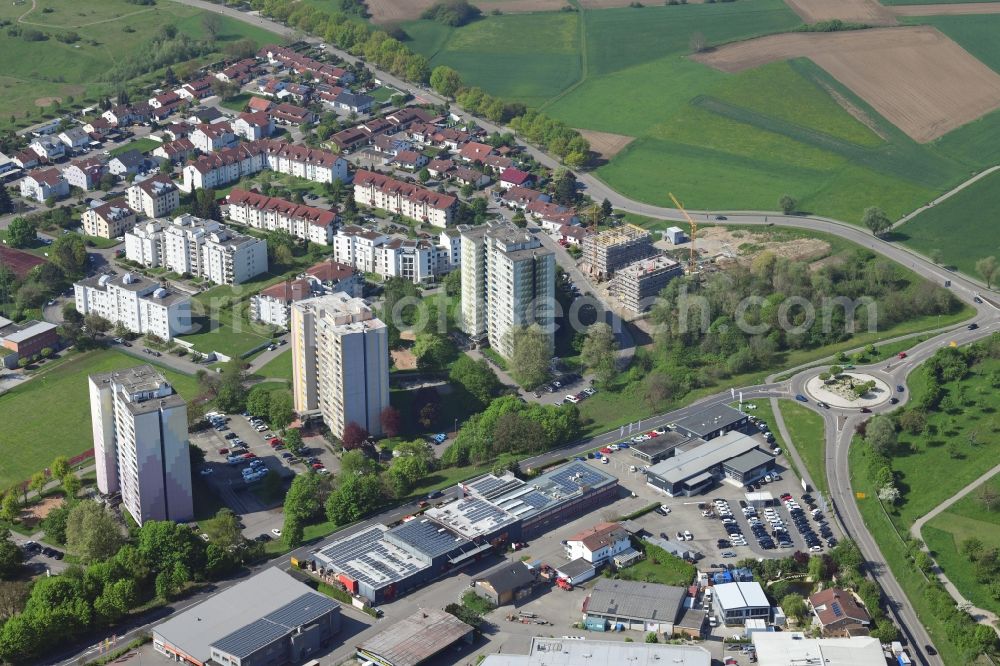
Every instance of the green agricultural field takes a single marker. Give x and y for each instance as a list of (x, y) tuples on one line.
[(961, 228), (524, 57), (110, 31), (805, 427), (30, 444)]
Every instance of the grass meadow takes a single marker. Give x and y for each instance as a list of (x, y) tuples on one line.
[(111, 31), (805, 427), (29, 445)]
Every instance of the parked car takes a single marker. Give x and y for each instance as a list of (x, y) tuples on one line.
[(801, 398)]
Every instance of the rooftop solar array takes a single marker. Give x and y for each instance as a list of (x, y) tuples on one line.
[(471, 517), (365, 556), (302, 611), (490, 486), (426, 536), (571, 478)]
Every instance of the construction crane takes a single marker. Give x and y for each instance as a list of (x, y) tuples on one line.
[(692, 260)]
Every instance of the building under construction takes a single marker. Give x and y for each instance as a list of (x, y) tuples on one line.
[(610, 250), (636, 285)]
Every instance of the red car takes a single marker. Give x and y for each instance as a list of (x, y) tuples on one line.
[(248, 456), (275, 441), (653, 434), (317, 466), (606, 451), (902, 354), (422, 503), (223, 452)]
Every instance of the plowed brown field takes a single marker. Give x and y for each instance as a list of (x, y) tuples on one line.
[(852, 11)]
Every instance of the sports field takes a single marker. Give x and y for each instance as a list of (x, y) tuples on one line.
[(962, 228), (787, 127), (110, 31), (965, 519), (30, 444)]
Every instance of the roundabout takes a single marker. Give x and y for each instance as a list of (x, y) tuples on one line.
[(840, 391)]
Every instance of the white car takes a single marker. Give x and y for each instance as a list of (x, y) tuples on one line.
[(604, 460), (688, 536), (665, 508), (614, 447), (572, 399), (261, 428), (276, 532)]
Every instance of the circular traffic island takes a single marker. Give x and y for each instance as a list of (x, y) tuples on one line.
[(848, 390)]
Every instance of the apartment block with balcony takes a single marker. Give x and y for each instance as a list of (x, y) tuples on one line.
[(140, 305)]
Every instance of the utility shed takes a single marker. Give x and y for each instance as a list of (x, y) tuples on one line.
[(415, 639)]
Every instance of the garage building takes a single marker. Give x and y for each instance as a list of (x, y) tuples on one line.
[(735, 603), (506, 584), (634, 605), (269, 619)]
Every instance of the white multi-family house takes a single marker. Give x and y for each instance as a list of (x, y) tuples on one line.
[(210, 138), (75, 137), (253, 126), (320, 166), (85, 173), (139, 304), (598, 544), (44, 183), (154, 197), (225, 166), (270, 213), (48, 148), (412, 201), (418, 261), (110, 219)]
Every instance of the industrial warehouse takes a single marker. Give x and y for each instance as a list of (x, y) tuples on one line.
[(697, 465), (381, 563)]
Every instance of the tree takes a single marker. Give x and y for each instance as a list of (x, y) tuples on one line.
[(21, 231), (913, 421), (353, 498), (606, 210), (259, 401), (92, 533), (599, 352), (787, 204), (38, 481), (354, 436), (6, 203), (231, 393), (476, 377), (885, 631), (445, 81), (13, 594), (226, 530), (875, 219), (281, 411), (60, 467), (988, 268), (529, 359), (212, 23), (519, 219), (293, 440), (423, 175), (433, 350), (881, 435), (988, 496), (292, 532), (697, 42), (71, 484), (10, 556), (564, 187), (69, 252), (651, 637), (10, 509), (391, 420), (794, 606), (517, 434), (889, 494)]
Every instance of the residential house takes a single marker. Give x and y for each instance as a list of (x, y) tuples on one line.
[(375, 127), (198, 89), (120, 115), (240, 72), (259, 104), (598, 544), (290, 114), (296, 92), (408, 159), (75, 137), (26, 159), (154, 197), (273, 305), (512, 177), (404, 118), (142, 112), (111, 219), (319, 166), (497, 163), (206, 115), (417, 203), (506, 584), (440, 168), (350, 139), (475, 152), (164, 99), (99, 127), (326, 93), (175, 131), (387, 256), (176, 152), (44, 183), (139, 304), (573, 235), (520, 197), (838, 613), (466, 176), (334, 276), (353, 103), (210, 138), (270, 214), (253, 126), (84, 173), (225, 166), (551, 216), (270, 86), (391, 145), (129, 162), (450, 138), (48, 148), (164, 112)]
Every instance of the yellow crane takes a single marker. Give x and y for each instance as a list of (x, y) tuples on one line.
[(692, 260)]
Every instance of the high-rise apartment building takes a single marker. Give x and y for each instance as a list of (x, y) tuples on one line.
[(340, 362), (141, 443), (508, 281)]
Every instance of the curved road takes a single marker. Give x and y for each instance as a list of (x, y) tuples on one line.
[(839, 423)]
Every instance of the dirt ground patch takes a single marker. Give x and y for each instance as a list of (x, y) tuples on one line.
[(403, 359), (723, 245), (851, 11), (36, 513), (917, 78), (609, 4), (959, 9), (605, 144), (395, 11), (46, 101)]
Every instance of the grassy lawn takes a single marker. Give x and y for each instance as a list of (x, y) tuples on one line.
[(142, 145), (237, 103), (660, 567), (98, 242), (383, 94), (30, 444), (967, 217), (805, 427), (111, 31), (280, 367)]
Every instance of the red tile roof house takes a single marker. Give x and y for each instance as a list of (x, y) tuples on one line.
[(467, 176), (289, 114), (336, 276), (84, 173), (551, 215), (439, 168), (176, 151), (259, 104), (412, 201), (838, 613), (253, 126), (497, 163), (270, 213), (408, 159), (475, 152), (350, 139), (272, 305), (520, 197), (573, 234), (512, 177), (42, 184)]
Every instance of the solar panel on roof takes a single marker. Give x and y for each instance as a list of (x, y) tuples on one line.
[(301, 611), (837, 610), (247, 640)]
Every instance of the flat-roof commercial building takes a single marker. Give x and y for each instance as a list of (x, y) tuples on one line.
[(659, 448), (382, 564), (562, 652), (637, 285), (698, 468), (270, 618), (140, 443), (607, 251), (340, 362), (792, 648), (735, 603), (633, 605), (416, 639), (711, 422)]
